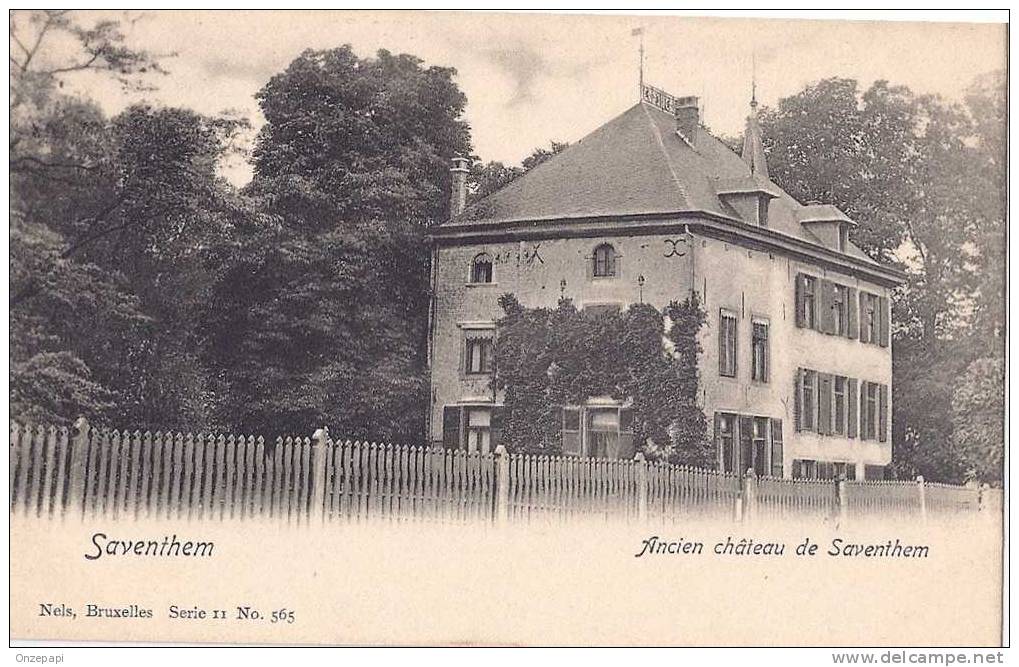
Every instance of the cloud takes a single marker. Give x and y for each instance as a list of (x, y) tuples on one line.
[(523, 66)]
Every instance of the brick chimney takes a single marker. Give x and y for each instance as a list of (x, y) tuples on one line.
[(458, 191), (688, 117)]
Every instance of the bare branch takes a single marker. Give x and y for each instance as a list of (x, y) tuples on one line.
[(14, 164)]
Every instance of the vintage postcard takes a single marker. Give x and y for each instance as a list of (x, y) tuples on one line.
[(518, 329)]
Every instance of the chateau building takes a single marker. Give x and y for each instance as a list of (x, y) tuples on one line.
[(796, 369)]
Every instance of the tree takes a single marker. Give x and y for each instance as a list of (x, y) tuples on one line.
[(486, 178), (114, 226), (323, 303), (924, 179), (979, 419)]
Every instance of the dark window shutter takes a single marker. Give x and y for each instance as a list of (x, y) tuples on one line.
[(721, 344), (800, 312), (498, 414), (884, 315), (824, 393), (569, 427), (776, 448), (746, 443), (851, 413), (798, 399), (626, 444), (853, 310), (864, 411), (883, 413), (718, 440), (451, 415)]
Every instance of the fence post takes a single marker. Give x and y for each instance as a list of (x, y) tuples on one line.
[(79, 459), (749, 495), (982, 497), (642, 487), (501, 485), (319, 453), (841, 501), (922, 490)]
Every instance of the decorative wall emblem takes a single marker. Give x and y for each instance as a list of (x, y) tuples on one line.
[(672, 248)]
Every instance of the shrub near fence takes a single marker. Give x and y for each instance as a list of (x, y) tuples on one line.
[(101, 472)]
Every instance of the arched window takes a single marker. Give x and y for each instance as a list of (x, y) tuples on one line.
[(481, 269), (604, 261)]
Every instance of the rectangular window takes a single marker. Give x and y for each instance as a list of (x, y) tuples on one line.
[(760, 447), (845, 471), (602, 433), (571, 432), (759, 360), (840, 309), (805, 469), (808, 419), (868, 318), (809, 301), (479, 430), (478, 355), (727, 344), (840, 405)]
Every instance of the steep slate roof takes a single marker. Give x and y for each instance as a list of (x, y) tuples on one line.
[(635, 164)]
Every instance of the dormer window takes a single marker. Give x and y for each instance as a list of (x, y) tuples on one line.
[(762, 210), (481, 268), (604, 261)]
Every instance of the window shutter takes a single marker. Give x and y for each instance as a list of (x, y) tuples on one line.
[(718, 441), (882, 412), (851, 412), (495, 426), (824, 394), (800, 312), (746, 443), (451, 417), (824, 299), (619, 266), (864, 333), (864, 411), (853, 316), (884, 315), (798, 399), (721, 343), (626, 444), (570, 438), (590, 266), (776, 448)]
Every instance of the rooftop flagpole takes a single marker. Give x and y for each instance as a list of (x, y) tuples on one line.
[(640, 85)]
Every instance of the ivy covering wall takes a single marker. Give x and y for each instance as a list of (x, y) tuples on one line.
[(548, 358)]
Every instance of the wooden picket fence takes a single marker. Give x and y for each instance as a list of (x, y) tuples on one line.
[(98, 472)]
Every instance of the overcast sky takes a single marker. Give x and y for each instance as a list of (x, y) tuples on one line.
[(531, 78)]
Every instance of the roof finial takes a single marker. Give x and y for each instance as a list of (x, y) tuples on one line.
[(753, 146), (753, 80)]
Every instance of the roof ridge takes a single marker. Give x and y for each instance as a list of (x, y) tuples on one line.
[(665, 153)]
